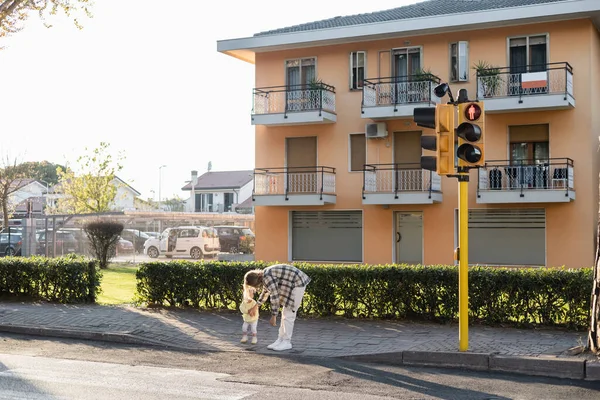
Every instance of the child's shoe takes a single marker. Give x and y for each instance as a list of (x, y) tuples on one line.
[(254, 340), (244, 339)]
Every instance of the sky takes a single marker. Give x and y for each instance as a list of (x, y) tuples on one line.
[(147, 79)]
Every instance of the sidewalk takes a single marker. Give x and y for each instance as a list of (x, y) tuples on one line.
[(534, 352)]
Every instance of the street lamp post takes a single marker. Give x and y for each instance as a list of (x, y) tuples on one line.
[(159, 183), (47, 190)]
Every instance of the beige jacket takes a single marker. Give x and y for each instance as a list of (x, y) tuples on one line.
[(244, 307)]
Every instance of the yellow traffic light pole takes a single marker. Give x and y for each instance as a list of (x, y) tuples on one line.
[(463, 259)]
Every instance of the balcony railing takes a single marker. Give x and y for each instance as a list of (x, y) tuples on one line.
[(398, 90), (294, 180), (293, 98), (549, 174), (398, 178), (553, 78)]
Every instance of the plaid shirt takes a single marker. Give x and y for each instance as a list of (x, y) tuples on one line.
[(279, 281)]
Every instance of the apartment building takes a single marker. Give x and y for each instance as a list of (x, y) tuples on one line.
[(338, 175)]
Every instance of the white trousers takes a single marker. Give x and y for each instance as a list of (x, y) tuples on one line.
[(288, 316), (251, 325)]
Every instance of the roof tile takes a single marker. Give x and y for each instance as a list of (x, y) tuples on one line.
[(427, 8)]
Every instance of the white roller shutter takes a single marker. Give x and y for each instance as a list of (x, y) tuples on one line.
[(507, 237), (327, 236)]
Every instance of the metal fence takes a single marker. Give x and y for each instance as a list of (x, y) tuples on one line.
[(58, 235)]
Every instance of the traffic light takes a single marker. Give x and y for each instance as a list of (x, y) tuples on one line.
[(440, 118), (470, 133)]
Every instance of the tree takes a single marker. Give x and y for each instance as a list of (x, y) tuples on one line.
[(175, 204), (14, 12), (44, 171), (103, 237), (13, 176), (92, 190)]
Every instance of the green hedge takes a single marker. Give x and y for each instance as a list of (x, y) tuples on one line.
[(521, 296), (67, 279)]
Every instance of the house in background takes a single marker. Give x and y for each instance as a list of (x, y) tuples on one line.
[(333, 113), (220, 191), (125, 198)]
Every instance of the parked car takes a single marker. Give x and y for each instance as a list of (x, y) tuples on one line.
[(10, 246), (66, 243), (137, 237), (193, 241), (124, 247), (236, 239)]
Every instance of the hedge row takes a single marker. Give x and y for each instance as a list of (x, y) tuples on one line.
[(67, 279), (518, 296)]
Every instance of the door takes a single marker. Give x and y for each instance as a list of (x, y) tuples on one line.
[(301, 163), (507, 237), (300, 73), (406, 63), (409, 237), (186, 239), (226, 239), (407, 157), (327, 236)]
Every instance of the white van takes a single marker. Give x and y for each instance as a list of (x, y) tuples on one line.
[(193, 241)]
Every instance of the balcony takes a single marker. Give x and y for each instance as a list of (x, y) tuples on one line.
[(526, 181), (397, 97), (294, 186), (542, 87), (400, 184), (294, 105)]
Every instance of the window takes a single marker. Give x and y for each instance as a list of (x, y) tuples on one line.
[(357, 69), (407, 61), (301, 71), (459, 62), (358, 151), (527, 54), (529, 144)]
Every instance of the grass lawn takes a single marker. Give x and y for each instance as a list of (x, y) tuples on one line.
[(118, 284)]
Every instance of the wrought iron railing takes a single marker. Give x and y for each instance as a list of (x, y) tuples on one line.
[(399, 177), (547, 174), (399, 90), (294, 180), (553, 78), (293, 98)]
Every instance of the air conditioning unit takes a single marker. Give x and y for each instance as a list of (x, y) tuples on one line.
[(378, 130)]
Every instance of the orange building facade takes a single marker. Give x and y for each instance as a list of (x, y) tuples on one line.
[(338, 176)]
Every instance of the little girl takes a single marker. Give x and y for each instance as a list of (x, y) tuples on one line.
[(249, 321)]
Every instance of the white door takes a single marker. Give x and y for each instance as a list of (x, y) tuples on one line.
[(409, 237), (186, 239)]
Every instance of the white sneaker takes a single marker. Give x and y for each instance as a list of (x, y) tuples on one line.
[(275, 343), (244, 339), (254, 340), (284, 345)]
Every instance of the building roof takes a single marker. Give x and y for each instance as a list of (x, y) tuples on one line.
[(424, 18), (246, 203), (221, 180), (422, 9)]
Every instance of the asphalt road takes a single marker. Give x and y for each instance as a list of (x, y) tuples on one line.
[(34, 368)]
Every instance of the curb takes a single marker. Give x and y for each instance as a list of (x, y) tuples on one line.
[(113, 337), (540, 366)]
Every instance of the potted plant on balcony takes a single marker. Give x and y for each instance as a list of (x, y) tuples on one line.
[(419, 89), (488, 78)]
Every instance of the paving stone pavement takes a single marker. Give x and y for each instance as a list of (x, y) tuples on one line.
[(327, 337)]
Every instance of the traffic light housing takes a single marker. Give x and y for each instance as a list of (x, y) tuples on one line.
[(441, 118), (471, 133)]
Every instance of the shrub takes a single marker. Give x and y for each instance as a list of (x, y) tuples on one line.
[(69, 279), (103, 236), (519, 296)]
